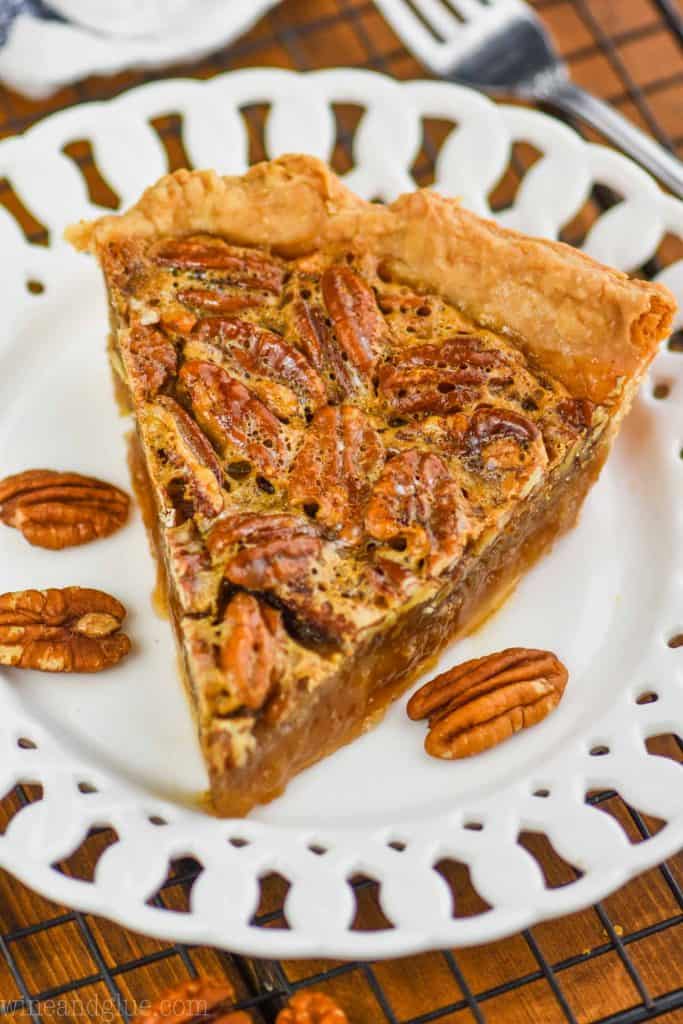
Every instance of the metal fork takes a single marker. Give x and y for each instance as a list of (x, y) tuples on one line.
[(501, 46)]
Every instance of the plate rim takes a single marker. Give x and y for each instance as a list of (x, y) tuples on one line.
[(403, 939)]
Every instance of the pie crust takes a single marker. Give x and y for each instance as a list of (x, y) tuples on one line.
[(357, 426)]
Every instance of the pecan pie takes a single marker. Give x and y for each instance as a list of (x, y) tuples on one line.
[(358, 426)]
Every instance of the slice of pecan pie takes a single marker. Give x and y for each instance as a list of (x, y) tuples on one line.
[(358, 424)]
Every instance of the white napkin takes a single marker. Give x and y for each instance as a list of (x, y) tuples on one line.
[(43, 52)]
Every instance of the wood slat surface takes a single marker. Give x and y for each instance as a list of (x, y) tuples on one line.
[(620, 961)]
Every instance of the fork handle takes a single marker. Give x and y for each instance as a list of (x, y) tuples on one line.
[(574, 100)]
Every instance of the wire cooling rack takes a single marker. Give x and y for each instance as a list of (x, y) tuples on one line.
[(620, 962)]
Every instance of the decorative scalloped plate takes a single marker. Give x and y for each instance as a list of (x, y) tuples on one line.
[(118, 750)]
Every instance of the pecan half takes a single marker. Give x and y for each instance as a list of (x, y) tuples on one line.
[(210, 300), (279, 399), (269, 550), (151, 360), (577, 412), (192, 469), (233, 417), (238, 266), (441, 378), (196, 1001), (356, 318), (443, 434), (334, 469), (312, 1008), (310, 331), (58, 510), (69, 630), (566, 424), (252, 633), (189, 565), (499, 439), (314, 338), (176, 319), (489, 423), (388, 580), (418, 508), (260, 351), (482, 702)]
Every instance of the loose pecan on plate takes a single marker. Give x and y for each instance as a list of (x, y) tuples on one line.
[(196, 1001), (482, 702), (71, 630), (58, 510), (312, 1008)]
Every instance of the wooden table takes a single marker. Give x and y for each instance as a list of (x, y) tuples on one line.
[(620, 961)]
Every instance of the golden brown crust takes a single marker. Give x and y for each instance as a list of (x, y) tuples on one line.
[(588, 325)]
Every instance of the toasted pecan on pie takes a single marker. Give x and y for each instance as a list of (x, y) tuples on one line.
[(359, 425)]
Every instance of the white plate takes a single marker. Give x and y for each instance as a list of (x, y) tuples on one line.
[(607, 599)]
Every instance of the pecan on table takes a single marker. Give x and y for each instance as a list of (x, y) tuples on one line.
[(58, 510), (312, 1008), (69, 630), (482, 702), (334, 469), (196, 1001)]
